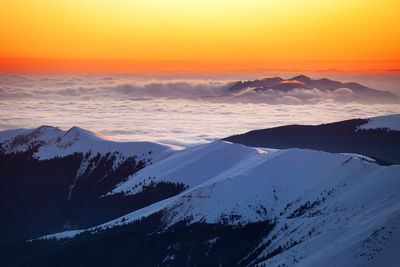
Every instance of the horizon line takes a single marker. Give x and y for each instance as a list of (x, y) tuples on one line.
[(200, 66)]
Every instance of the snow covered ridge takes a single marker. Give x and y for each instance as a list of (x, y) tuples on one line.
[(52, 142), (328, 209), (324, 209), (47, 142), (389, 122), (196, 165)]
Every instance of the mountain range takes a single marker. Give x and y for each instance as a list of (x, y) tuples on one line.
[(277, 84), (77, 198)]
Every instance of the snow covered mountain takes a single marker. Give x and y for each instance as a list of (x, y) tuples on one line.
[(229, 204), (343, 208), (51, 142), (50, 172)]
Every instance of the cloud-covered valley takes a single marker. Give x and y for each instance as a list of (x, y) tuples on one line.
[(180, 111)]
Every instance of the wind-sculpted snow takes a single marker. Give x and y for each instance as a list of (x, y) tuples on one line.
[(328, 209)]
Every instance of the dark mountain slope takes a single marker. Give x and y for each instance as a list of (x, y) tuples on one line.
[(338, 137)]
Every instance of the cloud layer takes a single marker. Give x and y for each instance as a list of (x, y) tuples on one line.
[(122, 87), (176, 111)]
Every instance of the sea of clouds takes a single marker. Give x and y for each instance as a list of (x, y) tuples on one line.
[(181, 110)]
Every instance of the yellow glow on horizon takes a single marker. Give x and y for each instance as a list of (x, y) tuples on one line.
[(201, 29)]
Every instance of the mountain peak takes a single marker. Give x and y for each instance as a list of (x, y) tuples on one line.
[(47, 127), (83, 133), (53, 142), (302, 78)]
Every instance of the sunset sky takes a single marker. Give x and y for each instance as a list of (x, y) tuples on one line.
[(198, 35)]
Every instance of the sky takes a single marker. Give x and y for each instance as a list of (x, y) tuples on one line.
[(199, 35), (161, 70)]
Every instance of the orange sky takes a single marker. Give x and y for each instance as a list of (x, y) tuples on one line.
[(199, 35)]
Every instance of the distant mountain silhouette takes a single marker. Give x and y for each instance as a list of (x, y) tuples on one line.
[(304, 82)]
